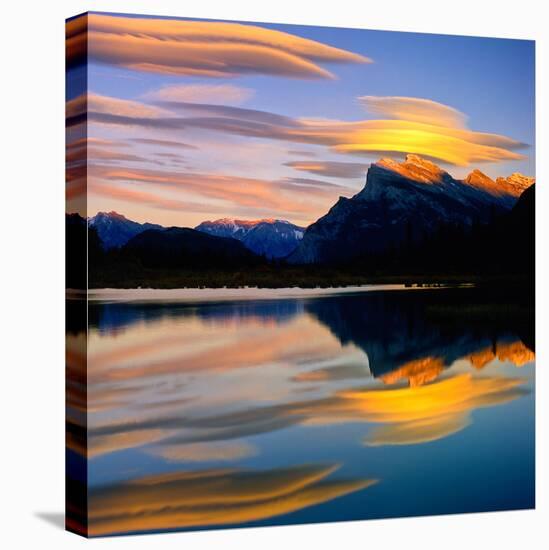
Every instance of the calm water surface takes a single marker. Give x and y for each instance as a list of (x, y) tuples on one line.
[(288, 407)]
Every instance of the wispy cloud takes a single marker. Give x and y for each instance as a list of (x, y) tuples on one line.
[(201, 48), (414, 109), (222, 94), (154, 200), (301, 153), (331, 169), (283, 196), (163, 143), (83, 142), (122, 107)]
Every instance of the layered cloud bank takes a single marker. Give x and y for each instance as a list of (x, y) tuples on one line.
[(414, 109), (224, 158), (427, 128), (118, 168), (200, 48)]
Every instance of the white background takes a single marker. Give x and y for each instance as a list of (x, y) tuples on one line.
[(32, 268)]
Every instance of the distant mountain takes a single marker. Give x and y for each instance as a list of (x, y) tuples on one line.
[(185, 248), (115, 230), (269, 237), (402, 206)]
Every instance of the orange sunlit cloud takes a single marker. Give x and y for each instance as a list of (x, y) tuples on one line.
[(143, 198), (414, 109), (107, 104), (450, 145), (122, 107), (283, 196), (447, 143), (200, 48)]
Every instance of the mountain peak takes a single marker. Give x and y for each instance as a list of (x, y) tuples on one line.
[(414, 168), (111, 214), (268, 237), (476, 173), (516, 183), (227, 221), (400, 204), (416, 160), (480, 180), (115, 230), (244, 223)]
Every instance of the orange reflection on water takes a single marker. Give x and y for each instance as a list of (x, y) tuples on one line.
[(426, 413), (514, 352), (196, 387), (417, 372), (212, 497)]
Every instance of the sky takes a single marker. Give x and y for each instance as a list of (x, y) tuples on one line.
[(193, 120)]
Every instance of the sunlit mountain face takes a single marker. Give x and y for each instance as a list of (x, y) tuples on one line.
[(252, 412), (406, 206)]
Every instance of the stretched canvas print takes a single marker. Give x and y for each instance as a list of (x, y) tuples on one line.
[(300, 274)]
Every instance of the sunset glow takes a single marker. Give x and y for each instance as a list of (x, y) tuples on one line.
[(208, 86)]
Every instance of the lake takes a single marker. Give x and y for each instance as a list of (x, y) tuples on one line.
[(210, 408)]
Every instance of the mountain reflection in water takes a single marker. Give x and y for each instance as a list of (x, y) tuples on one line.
[(240, 399)]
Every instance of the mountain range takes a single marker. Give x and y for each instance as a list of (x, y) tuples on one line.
[(269, 237), (412, 218), (401, 207)]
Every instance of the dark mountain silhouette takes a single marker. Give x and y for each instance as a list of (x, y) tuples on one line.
[(518, 230), (187, 248), (412, 221), (269, 237), (401, 208), (504, 247), (115, 230)]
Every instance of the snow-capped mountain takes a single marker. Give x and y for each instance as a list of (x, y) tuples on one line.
[(115, 230), (403, 204), (268, 237)]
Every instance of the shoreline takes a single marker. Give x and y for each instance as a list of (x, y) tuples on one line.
[(197, 295)]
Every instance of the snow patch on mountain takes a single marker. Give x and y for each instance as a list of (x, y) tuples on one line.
[(269, 237)]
